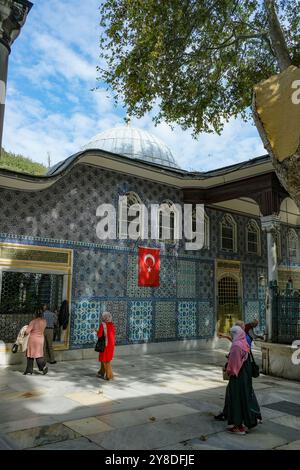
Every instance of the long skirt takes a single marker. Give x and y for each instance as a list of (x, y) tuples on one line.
[(241, 406)]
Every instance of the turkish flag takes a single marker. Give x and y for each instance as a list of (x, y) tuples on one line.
[(149, 264)]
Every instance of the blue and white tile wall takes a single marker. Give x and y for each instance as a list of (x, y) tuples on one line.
[(105, 273), (254, 294)]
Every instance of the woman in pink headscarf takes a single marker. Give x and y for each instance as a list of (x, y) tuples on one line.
[(238, 352), (243, 409)]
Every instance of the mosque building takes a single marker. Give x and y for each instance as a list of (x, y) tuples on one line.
[(50, 250)]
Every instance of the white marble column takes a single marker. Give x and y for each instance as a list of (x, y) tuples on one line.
[(270, 224)]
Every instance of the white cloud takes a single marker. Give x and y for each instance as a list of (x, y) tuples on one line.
[(32, 131), (74, 22), (57, 53), (239, 141)]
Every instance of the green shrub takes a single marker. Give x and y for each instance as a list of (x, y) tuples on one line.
[(11, 161)]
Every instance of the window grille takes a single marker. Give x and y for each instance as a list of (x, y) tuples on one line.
[(21, 293)]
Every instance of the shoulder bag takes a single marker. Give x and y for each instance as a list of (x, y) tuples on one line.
[(100, 345), (226, 376)]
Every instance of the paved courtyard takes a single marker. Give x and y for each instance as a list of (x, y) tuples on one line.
[(164, 401)]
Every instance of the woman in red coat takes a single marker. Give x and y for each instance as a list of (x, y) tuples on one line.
[(105, 358)]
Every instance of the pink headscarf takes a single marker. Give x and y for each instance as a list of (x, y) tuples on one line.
[(238, 352)]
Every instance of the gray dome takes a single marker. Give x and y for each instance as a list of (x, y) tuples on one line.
[(133, 143)]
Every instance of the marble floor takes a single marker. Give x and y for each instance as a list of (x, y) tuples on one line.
[(165, 401)]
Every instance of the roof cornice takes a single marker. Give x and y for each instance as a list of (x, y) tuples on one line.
[(176, 178)]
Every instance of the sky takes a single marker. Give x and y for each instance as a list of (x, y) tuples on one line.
[(51, 108)]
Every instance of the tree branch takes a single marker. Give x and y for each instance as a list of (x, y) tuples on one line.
[(278, 41), (243, 37)]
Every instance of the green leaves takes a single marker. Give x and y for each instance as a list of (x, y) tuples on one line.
[(11, 161), (198, 59)]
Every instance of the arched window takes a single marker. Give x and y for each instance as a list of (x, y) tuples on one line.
[(228, 233), (168, 222), (131, 217), (292, 245), (253, 237), (206, 227)]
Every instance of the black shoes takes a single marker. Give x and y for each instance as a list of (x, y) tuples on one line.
[(53, 362), (220, 417), (26, 373), (45, 370), (100, 376)]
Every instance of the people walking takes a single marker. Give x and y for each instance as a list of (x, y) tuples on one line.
[(242, 407), (251, 335), (224, 335), (107, 328), (35, 345), (50, 318), (223, 415)]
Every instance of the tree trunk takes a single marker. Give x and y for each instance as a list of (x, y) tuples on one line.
[(278, 42), (288, 172), (275, 115), (277, 120)]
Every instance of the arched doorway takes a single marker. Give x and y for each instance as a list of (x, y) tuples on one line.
[(229, 304)]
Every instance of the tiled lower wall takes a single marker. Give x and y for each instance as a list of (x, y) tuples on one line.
[(140, 321), (105, 278), (181, 308)]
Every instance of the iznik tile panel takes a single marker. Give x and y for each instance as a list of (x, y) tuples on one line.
[(140, 321), (118, 309), (167, 286), (250, 279), (186, 279), (85, 319), (206, 320), (133, 290), (101, 274), (251, 310), (165, 320), (187, 319), (205, 280)]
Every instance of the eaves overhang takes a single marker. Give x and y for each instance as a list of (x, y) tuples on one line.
[(173, 177)]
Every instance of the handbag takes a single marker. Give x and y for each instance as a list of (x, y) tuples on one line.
[(100, 345), (226, 376), (254, 366), (14, 348)]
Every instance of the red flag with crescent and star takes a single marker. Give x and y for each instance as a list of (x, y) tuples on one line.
[(149, 265)]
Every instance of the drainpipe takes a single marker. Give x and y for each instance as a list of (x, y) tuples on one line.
[(13, 15)]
